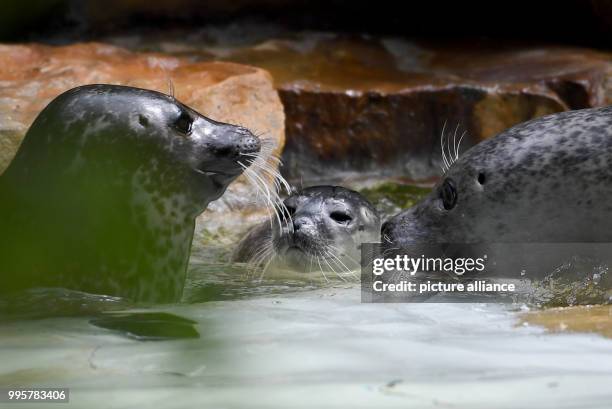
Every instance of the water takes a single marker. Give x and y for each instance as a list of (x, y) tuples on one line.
[(296, 341), (287, 344)]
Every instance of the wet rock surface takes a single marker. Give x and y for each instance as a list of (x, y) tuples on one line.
[(378, 105), (32, 75), (590, 319)]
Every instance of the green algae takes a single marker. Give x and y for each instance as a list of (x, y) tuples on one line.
[(390, 198)]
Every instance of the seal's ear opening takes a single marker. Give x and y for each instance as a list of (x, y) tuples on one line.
[(481, 178)]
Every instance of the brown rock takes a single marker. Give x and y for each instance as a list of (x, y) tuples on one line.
[(32, 75), (391, 121), (590, 319), (378, 105)]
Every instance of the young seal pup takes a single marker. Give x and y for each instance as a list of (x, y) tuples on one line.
[(322, 230), (103, 193)]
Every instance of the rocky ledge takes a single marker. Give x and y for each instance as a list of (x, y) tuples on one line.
[(360, 104), (32, 75)]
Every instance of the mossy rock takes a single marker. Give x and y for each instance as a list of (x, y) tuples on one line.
[(390, 198)]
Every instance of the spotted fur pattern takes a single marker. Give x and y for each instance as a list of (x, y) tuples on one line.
[(546, 180)]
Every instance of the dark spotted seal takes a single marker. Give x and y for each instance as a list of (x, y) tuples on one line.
[(546, 180), (322, 230), (103, 193)]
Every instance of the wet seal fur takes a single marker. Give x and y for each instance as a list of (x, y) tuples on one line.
[(104, 190), (322, 229), (545, 180)]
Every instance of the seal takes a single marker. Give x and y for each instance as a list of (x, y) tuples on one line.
[(545, 180), (104, 190), (322, 228)]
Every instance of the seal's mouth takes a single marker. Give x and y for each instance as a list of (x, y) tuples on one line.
[(213, 173), (303, 245), (209, 173), (215, 181), (294, 248), (219, 170)]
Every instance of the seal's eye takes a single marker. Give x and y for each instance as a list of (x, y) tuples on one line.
[(184, 123), (340, 217), (448, 194)]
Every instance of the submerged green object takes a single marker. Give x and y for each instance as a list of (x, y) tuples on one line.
[(148, 326), (389, 198), (103, 193)]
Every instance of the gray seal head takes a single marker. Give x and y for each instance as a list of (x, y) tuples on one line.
[(103, 193), (546, 180), (322, 230)]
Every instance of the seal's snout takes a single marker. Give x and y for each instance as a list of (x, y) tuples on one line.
[(305, 236), (249, 144), (390, 241), (386, 234), (302, 224)]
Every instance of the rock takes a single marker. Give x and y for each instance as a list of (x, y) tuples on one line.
[(373, 105), (32, 75), (590, 319), (391, 121)]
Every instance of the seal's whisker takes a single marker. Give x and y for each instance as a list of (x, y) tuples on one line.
[(171, 91), (389, 250), (453, 156), (339, 252), (444, 160), (267, 166), (340, 264), (273, 198), (276, 176), (255, 265), (459, 145), (267, 142), (332, 268), (321, 268), (278, 206), (357, 263), (448, 148), (265, 269), (272, 171), (255, 181), (348, 270), (268, 197), (450, 155), (263, 253)]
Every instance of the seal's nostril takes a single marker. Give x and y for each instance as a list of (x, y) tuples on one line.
[(299, 223), (384, 226), (385, 232), (249, 144)]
